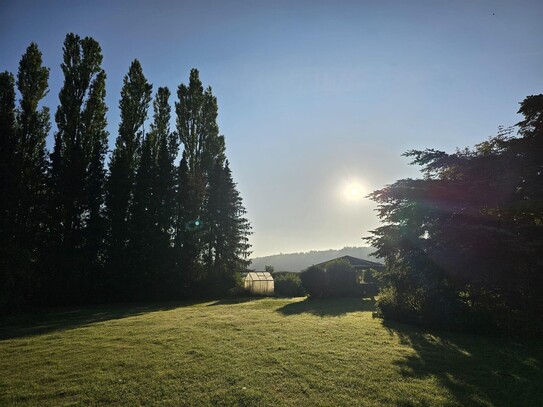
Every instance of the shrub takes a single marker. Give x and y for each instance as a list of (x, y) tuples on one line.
[(314, 281), (342, 281), (288, 285)]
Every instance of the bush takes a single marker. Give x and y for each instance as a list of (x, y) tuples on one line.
[(314, 281), (342, 281), (288, 285)]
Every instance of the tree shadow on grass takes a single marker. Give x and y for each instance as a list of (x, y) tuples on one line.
[(61, 319), (476, 370), (328, 307), (233, 301)]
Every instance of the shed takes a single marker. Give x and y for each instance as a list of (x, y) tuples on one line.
[(259, 282)]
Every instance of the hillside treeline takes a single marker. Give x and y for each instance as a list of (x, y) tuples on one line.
[(463, 245), (146, 226), (297, 262)]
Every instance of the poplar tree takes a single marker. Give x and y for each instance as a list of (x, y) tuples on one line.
[(134, 104), (8, 143), (165, 151), (198, 131), (11, 274), (166, 145), (142, 235), (30, 154), (77, 168)]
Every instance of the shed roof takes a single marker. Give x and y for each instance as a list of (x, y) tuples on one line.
[(355, 262), (259, 276)]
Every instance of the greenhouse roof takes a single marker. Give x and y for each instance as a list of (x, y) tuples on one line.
[(259, 276)]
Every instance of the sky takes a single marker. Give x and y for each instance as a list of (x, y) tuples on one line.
[(317, 99)]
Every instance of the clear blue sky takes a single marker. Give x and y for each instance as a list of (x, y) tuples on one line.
[(316, 98)]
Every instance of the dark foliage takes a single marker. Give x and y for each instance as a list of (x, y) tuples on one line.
[(342, 280), (339, 279), (288, 284), (72, 232), (315, 282), (464, 245)]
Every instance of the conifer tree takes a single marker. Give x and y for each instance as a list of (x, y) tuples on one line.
[(227, 229)]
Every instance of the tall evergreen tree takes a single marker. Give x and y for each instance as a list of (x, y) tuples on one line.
[(227, 247), (77, 173), (134, 104)]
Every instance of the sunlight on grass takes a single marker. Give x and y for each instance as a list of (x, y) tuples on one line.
[(256, 352)]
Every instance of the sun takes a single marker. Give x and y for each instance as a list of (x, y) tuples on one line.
[(353, 191)]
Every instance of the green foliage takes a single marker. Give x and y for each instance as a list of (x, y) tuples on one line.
[(288, 284), (315, 281), (23, 165), (76, 225), (226, 229), (341, 279), (30, 157), (125, 164), (470, 230), (338, 280), (370, 276), (206, 195), (8, 152), (72, 233)]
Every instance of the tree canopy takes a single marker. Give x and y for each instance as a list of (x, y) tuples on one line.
[(466, 240), (77, 229)]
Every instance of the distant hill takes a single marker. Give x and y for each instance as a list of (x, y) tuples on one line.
[(300, 261)]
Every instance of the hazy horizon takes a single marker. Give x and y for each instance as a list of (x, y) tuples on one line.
[(317, 100)]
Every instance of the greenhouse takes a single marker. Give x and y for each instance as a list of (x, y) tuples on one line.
[(259, 282)]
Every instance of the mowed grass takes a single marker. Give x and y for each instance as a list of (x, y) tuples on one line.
[(250, 352)]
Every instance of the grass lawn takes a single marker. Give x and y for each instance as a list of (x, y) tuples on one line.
[(249, 352)]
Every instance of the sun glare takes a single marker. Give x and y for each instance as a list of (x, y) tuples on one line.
[(353, 191)]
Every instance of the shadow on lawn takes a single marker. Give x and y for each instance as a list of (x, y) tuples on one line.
[(476, 370), (233, 301), (329, 307), (61, 319)]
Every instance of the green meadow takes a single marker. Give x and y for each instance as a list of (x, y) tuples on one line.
[(252, 352)]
